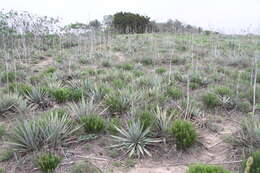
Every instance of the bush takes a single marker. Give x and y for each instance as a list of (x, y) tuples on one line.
[(8, 77), (160, 70), (175, 93), (127, 66), (184, 133), (222, 91), (92, 123), (21, 88), (253, 167), (202, 168), (210, 100), (6, 155), (85, 167), (146, 118), (247, 138), (61, 95), (48, 162)]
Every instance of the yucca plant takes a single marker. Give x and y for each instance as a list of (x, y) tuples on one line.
[(122, 99), (134, 139), (248, 137), (82, 108), (7, 104), (162, 121), (37, 98), (56, 130), (51, 130), (26, 137)]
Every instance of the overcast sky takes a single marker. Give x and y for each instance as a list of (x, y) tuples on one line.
[(231, 16)]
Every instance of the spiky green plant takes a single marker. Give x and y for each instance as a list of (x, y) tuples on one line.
[(82, 108), (7, 104), (134, 139), (162, 120), (247, 138), (26, 137), (51, 130), (56, 130), (37, 98)]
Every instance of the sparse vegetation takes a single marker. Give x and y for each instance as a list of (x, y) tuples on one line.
[(155, 87)]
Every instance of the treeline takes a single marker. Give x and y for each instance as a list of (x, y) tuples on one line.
[(15, 23)]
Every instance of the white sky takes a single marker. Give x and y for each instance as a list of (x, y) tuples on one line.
[(231, 16)]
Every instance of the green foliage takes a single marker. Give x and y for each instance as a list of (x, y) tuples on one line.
[(134, 139), (21, 88), (92, 123), (50, 129), (85, 167), (48, 162), (146, 61), (202, 168), (210, 100), (184, 133), (247, 138), (2, 130), (6, 155), (146, 118), (50, 70), (121, 100), (174, 92), (255, 166), (127, 66), (222, 91), (160, 70), (129, 22), (76, 94), (113, 122), (163, 121), (61, 95), (82, 108), (37, 98), (8, 77)]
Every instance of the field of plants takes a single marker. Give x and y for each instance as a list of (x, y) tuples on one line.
[(101, 102)]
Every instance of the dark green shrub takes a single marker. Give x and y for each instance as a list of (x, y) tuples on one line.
[(194, 85), (48, 162), (138, 73), (160, 70), (146, 61), (210, 100), (76, 94), (61, 95), (222, 91), (202, 168), (184, 133), (127, 66), (175, 93), (8, 77), (92, 123), (21, 88), (6, 155), (119, 83), (50, 70), (106, 63), (146, 118), (255, 166)]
